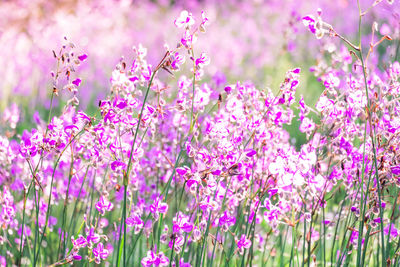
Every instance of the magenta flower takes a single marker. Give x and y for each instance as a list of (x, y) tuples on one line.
[(104, 205), (395, 170), (76, 82), (155, 259), (182, 170), (3, 261), (251, 152), (202, 60), (243, 243), (117, 165), (146, 73), (91, 238), (177, 60), (185, 19), (393, 231), (227, 221), (181, 223), (136, 222), (158, 207), (188, 39), (177, 243), (316, 25), (309, 21), (80, 242), (100, 253), (83, 57), (182, 263), (204, 18)]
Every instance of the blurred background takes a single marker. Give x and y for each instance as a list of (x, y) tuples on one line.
[(251, 40)]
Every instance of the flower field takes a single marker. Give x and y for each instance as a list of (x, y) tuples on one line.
[(200, 133)]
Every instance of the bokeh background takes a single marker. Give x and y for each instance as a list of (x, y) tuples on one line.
[(252, 40)]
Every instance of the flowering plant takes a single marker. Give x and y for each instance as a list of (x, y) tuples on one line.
[(174, 169)]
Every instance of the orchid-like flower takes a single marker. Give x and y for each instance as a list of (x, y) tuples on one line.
[(185, 19), (153, 259)]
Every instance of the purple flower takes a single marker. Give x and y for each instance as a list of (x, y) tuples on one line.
[(182, 263), (393, 230), (77, 82), (104, 205), (395, 170), (92, 237), (177, 60), (251, 152), (83, 57), (69, 129), (158, 207), (3, 261), (135, 221), (117, 165), (185, 19), (243, 243), (309, 21), (177, 243), (155, 259), (181, 170), (181, 223), (80, 242), (146, 73), (226, 220), (100, 253), (204, 20), (202, 60)]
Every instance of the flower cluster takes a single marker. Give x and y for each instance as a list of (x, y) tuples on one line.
[(176, 169)]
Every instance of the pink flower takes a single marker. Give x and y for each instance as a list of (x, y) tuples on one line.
[(188, 39), (135, 221), (92, 237), (100, 253), (104, 205), (309, 21), (185, 19), (316, 25), (243, 243), (80, 242), (83, 57), (204, 18), (204, 22), (176, 61), (395, 170), (202, 60), (76, 82), (158, 207), (155, 259), (146, 73)]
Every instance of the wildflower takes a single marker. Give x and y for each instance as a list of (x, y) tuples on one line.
[(395, 169), (185, 19), (204, 22), (188, 39), (82, 57), (176, 60), (202, 60), (316, 25), (80, 242), (243, 243), (158, 207), (91, 238), (104, 205), (136, 222), (155, 259), (100, 253), (76, 82)]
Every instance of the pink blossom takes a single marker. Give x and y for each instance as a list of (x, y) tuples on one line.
[(185, 19)]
